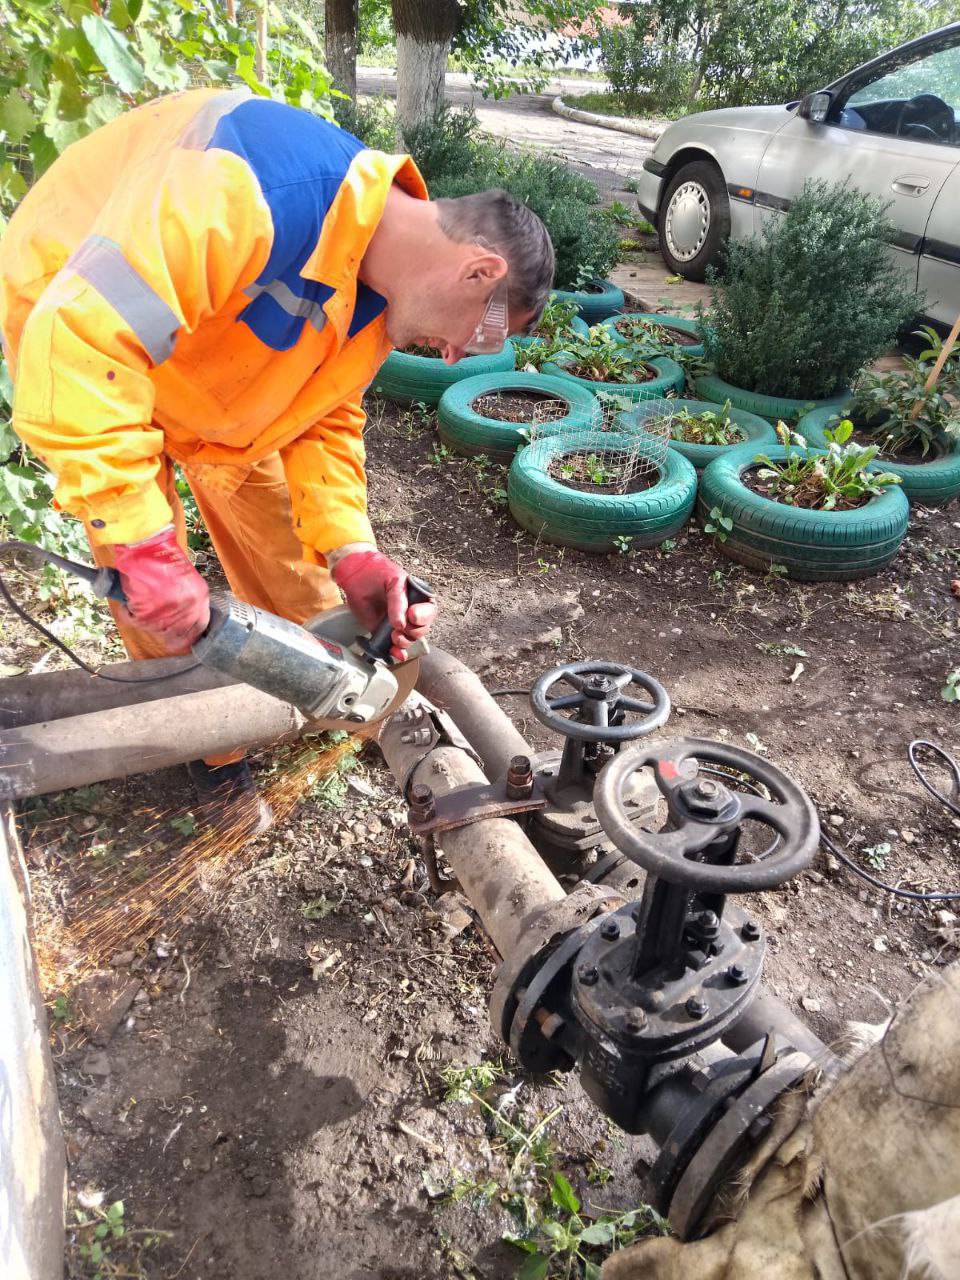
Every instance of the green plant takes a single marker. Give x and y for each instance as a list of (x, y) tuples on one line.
[(885, 402), (718, 526), (317, 908), (775, 650), (600, 358), (461, 1084), (818, 481), (623, 543), (951, 690), (703, 427), (801, 310), (631, 185), (876, 855), (556, 318), (185, 825), (97, 1238), (440, 454)]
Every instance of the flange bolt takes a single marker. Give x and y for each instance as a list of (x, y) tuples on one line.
[(696, 1007), (519, 778), (610, 930), (421, 802), (706, 789), (588, 975), (635, 1021), (750, 931), (737, 975)]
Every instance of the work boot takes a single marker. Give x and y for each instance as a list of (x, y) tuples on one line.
[(228, 800)]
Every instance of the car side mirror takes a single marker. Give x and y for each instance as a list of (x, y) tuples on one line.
[(815, 107)]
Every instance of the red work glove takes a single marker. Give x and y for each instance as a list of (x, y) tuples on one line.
[(165, 594), (376, 587)]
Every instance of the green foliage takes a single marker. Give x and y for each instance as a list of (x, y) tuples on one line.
[(599, 357), (462, 1083), (876, 855), (102, 1247), (801, 310), (884, 402), (372, 120), (951, 690), (718, 526), (66, 70), (705, 427), (776, 650), (681, 55), (831, 481)]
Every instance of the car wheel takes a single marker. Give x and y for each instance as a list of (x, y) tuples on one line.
[(694, 219)]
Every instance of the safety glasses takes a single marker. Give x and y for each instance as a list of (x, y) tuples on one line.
[(491, 333)]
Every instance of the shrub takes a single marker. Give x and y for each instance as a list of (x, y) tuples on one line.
[(800, 311)]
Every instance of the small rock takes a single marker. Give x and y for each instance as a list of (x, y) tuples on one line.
[(945, 919), (880, 943), (835, 820), (832, 863), (395, 818), (908, 836), (95, 1063), (816, 877), (122, 959), (811, 1005)]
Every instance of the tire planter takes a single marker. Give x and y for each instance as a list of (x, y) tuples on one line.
[(817, 546), (932, 483), (756, 431), (772, 408), (567, 517), (409, 379), (470, 433), (578, 326), (670, 378), (595, 303), (667, 322)]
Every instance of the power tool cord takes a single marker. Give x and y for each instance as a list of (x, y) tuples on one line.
[(952, 805), (59, 562)]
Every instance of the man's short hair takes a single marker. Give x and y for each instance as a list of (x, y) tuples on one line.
[(512, 230)]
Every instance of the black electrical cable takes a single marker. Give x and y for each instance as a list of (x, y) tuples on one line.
[(59, 562), (952, 805)]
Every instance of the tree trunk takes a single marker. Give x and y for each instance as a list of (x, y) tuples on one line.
[(424, 30), (340, 44)]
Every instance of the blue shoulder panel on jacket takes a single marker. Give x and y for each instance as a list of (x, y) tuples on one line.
[(299, 160)]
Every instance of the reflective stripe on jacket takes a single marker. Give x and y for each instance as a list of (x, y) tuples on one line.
[(184, 280)]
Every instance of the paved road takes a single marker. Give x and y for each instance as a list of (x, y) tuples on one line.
[(607, 157)]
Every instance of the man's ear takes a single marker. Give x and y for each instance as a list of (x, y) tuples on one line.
[(486, 268)]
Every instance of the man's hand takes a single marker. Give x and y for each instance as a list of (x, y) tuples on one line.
[(375, 587), (165, 594)]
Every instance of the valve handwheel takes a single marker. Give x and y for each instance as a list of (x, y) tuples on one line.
[(599, 694), (700, 809)]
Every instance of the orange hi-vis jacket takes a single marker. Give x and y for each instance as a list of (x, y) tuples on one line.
[(184, 281)]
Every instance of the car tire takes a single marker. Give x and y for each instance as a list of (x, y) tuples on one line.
[(690, 246), (469, 433), (601, 299), (409, 379), (566, 517), (753, 430)]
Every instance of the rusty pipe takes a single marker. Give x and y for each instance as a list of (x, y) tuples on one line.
[(498, 868), (454, 688), (76, 751)]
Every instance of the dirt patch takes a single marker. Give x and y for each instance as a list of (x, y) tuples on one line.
[(603, 473), (519, 406), (273, 1096), (638, 373)]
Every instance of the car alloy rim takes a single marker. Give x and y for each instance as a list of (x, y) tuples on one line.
[(688, 221)]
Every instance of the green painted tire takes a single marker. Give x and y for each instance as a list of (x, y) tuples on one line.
[(754, 430), (816, 546), (595, 304), (667, 322), (927, 484), (670, 379), (773, 408), (470, 433), (591, 521), (423, 379), (577, 326)]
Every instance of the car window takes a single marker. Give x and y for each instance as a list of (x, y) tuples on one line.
[(919, 100)]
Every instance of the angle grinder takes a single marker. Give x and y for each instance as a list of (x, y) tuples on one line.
[(326, 668)]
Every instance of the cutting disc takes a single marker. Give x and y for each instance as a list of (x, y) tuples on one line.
[(340, 626)]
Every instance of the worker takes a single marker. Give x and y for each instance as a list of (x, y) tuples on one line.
[(213, 279)]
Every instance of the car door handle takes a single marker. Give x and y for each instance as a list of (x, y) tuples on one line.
[(910, 184)]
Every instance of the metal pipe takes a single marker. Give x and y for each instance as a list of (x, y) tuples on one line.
[(767, 1013), (497, 867), (36, 759), (454, 688), (51, 695)]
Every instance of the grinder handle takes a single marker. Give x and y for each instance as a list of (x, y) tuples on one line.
[(378, 646)]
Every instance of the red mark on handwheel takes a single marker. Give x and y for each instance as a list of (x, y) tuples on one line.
[(667, 769)]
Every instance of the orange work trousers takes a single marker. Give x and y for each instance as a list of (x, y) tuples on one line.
[(252, 533)]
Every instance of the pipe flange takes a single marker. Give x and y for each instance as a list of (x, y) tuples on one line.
[(544, 928), (727, 1143)]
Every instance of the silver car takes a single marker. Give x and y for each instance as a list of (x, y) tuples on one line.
[(892, 127)]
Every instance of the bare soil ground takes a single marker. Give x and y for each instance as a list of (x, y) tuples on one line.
[(273, 1096)]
